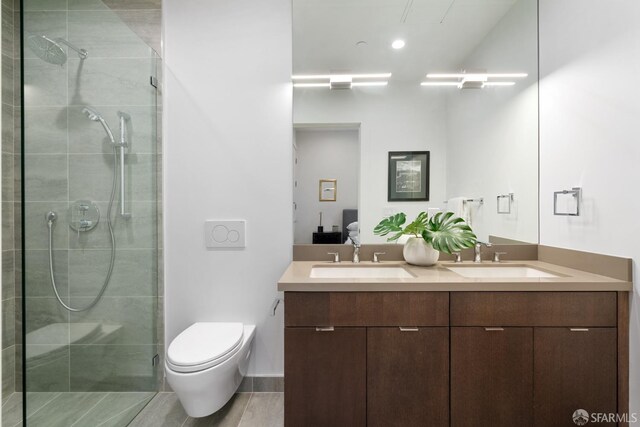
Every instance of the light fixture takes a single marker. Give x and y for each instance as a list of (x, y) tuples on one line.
[(354, 84), (398, 44), (499, 83), (328, 76), (311, 85), (439, 84), (476, 75), (472, 79), (339, 81)]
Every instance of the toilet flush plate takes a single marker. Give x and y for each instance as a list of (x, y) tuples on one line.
[(224, 234)]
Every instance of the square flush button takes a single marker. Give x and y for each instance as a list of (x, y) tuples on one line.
[(224, 234)]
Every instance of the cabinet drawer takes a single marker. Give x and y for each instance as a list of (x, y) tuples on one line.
[(533, 309), (366, 309)]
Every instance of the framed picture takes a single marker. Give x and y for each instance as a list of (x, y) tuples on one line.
[(328, 190), (408, 176)]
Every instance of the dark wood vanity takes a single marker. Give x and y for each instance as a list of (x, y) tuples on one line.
[(439, 349), (453, 358)]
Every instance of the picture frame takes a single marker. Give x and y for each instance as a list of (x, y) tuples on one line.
[(408, 176), (328, 190)]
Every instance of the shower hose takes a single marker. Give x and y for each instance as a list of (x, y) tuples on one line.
[(51, 217)]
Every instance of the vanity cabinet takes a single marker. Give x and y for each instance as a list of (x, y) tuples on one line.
[(575, 368), (532, 358), (454, 358), (407, 377), (366, 370), (491, 376), (326, 377)]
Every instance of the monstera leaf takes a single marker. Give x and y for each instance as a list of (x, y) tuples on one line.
[(448, 233), (393, 224), (418, 225)]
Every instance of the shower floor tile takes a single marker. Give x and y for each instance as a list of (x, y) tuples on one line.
[(75, 409)]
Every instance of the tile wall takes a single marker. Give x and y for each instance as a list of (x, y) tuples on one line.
[(68, 158), (10, 203)]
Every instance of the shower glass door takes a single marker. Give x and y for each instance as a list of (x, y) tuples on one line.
[(90, 216)]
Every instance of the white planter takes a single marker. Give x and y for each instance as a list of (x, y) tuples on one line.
[(418, 252)]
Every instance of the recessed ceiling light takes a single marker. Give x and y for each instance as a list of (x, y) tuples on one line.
[(398, 44)]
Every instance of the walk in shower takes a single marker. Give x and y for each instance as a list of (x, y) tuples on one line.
[(91, 331)]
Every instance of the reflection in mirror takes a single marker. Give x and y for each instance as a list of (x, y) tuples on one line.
[(329, 156), (328, 189), (456, 78)]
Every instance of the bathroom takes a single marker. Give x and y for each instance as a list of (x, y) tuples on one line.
[(123, 123)]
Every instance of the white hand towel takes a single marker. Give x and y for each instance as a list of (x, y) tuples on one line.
[(460, 208)]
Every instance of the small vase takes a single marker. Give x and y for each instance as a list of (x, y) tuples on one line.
[(418, 252)]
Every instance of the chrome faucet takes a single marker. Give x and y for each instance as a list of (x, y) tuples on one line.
[(478, 250), (356, 253)]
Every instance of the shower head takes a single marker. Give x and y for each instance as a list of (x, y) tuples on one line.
[(50, 50), (93, 115)]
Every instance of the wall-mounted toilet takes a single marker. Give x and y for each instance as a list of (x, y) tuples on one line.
[(206, 363)]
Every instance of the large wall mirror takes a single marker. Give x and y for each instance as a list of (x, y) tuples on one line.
[(455, 78)]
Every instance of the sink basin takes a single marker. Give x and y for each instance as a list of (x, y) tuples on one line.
[(359, 273), (500, 272)]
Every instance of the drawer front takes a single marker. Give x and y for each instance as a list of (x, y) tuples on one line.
[(366, 309), (533, 309)]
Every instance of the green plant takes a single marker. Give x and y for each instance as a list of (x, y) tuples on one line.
[(444, 231)]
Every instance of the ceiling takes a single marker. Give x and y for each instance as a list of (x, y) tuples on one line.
[(439, 34)]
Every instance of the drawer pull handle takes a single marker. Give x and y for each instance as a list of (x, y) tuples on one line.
[(493, 329), (579, 329), (325, 329), (403, 329)]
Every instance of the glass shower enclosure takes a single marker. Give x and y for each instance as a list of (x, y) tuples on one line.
[(90, 216)]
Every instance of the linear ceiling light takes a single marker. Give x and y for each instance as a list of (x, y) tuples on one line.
[(369, 83), (330, 76), (476, 75), (439, 84), (311, 84), (471, 80), (499, 83), (340, 81)]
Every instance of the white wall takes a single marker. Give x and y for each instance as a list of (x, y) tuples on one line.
[(493, 132), (589, 113), (399, 117), (227, 151), (325, 154)]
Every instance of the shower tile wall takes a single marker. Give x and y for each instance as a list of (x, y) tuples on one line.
[(10, 204), (68, 158)]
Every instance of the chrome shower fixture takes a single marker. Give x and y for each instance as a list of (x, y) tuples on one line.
[(51, 51), (97, 117), (121, 147)]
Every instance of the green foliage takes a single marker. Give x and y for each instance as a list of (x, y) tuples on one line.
[(393, 224), (448, 233), (444, 231)]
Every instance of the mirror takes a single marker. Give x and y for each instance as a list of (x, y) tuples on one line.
[(456, 79)]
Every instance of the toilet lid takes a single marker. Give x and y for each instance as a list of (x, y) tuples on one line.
[(204, 342)]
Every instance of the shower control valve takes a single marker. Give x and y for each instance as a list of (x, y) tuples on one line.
[(83, 215)]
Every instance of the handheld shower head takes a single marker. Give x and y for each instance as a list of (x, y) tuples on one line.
[(93, 115)]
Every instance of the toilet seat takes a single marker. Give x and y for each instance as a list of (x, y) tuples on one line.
[(204, 345)]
